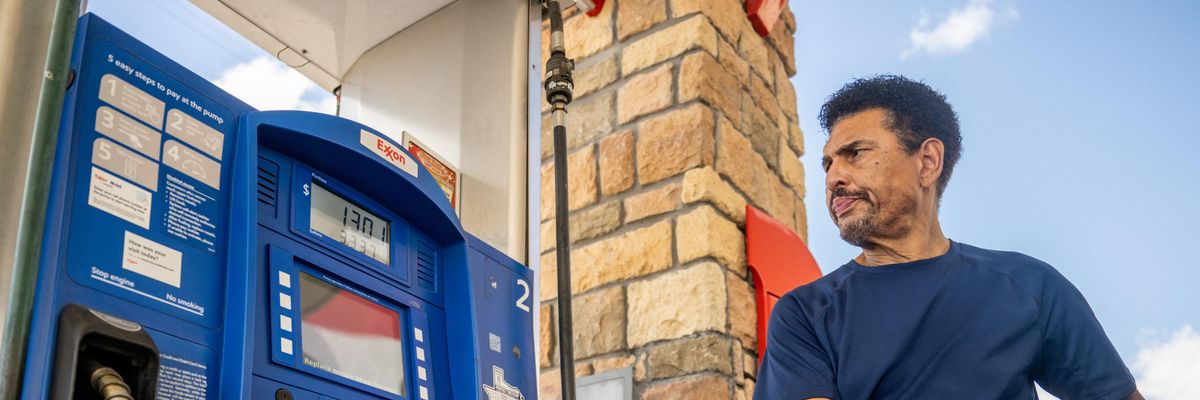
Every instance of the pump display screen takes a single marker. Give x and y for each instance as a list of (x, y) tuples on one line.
[(358, 229), (347, 335)]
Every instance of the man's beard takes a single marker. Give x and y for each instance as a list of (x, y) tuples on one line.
[(881, 220)]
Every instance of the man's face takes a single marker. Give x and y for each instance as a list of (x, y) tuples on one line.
[(871, 183)]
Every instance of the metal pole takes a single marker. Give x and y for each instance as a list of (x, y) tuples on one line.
[(36, 196), (558, 93)]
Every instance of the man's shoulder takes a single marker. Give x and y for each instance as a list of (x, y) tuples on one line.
[(1024, 271), (813, 297), (1005, 262)]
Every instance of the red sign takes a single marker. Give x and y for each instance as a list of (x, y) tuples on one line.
[(764, 14), (779, 262)]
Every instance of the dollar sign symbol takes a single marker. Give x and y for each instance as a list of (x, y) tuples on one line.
[(306, 189)]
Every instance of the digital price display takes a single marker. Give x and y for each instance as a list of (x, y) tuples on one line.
[(358, 229), (349, 336)]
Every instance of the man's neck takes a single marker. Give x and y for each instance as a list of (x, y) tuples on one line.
[(922, 242)]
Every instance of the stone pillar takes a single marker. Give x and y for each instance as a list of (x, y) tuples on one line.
[(683, 115)]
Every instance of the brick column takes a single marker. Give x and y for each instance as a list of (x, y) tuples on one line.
[(683, 115)]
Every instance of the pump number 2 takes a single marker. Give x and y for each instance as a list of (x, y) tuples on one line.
[(522, 302)]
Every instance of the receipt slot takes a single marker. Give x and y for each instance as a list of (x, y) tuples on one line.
[(196, 248)]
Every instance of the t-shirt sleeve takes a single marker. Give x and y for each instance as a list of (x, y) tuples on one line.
[(1077, 360), (794, 364)]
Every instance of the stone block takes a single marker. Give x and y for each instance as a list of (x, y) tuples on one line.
[(784, 44), (796, 138), (616, 163), (789, 20), (729, 16), (743, 315), (704, 232), (765, 99), (581, 182), (801, 220), (705, 185), (733, 62), (783, 203), (677, 304), (671, 143), (690, 33), (605, 364), (763, 134), (645, 93), (701, 77), (595, 221), (586, 35), (706, 353), (599, 322), (588, 118), (754, 50), (592, 76), (548, 289), (785, 93), (750, 364), (551, 385), (635, 16), (658, 201), (547, 337), (636, 253), (748, 172), (790, 167)]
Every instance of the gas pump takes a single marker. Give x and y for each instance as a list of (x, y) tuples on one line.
[(197, 248)]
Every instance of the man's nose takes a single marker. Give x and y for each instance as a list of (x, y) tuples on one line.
[(835, 177)]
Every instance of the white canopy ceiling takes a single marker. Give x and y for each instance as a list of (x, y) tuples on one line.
[(320, 38)]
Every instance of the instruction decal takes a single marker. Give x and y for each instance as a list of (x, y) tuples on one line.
[(120, 198), (152, 260)]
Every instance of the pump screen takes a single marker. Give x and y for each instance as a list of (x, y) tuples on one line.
[(349, 336), (349, 224)]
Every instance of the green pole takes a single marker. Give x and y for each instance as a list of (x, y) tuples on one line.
[(35, 199)]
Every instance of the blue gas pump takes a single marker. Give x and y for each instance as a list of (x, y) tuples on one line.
[(197, 248)]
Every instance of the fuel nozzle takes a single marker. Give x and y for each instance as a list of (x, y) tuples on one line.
[(107, 382), (100, 356)]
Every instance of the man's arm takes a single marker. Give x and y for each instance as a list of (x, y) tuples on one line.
[(795, 364), (1077, 360)]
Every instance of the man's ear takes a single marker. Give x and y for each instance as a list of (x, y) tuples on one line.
[(932, 152)]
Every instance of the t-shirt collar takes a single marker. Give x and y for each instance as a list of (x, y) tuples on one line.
[(909, 265)]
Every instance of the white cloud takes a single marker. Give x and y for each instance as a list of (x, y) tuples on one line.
[(961, 28), (268, 84), (1168, 366)]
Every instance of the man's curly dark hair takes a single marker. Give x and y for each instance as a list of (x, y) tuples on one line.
[(916, 112)]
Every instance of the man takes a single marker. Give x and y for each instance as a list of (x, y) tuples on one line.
[(916, 315)]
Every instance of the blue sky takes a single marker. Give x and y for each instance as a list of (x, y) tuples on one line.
[(1078, 121), (1079, 133)]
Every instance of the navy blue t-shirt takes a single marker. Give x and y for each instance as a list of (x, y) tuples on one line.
[(969, 324)]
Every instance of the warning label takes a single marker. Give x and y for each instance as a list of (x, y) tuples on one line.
[(118, 197), (152, 260), (182, 379), (189, 214)]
